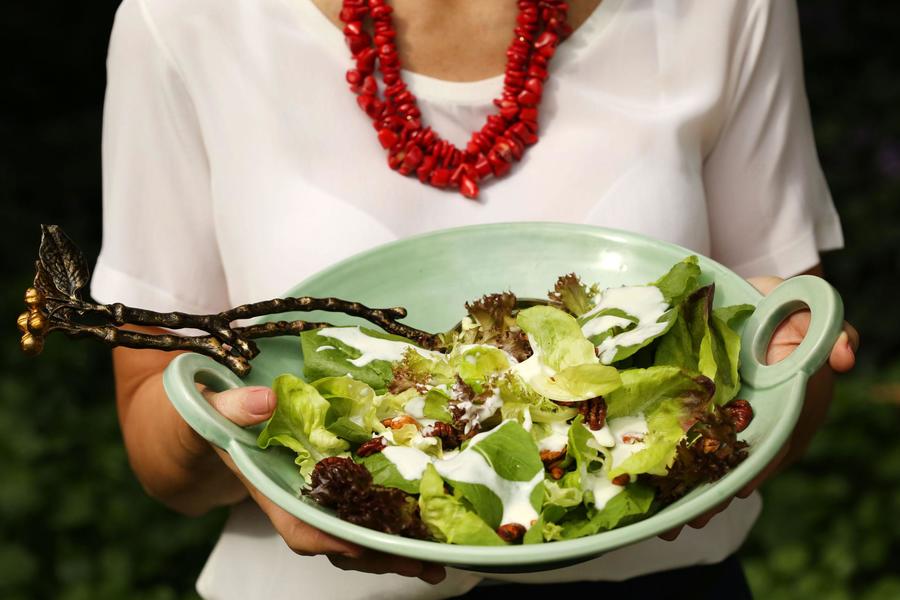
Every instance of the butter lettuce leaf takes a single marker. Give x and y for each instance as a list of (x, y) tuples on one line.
[(476, 364), (447, 517), (557, 337), (633, 503), (511, 453), (518, 398), (352, 411), (681, 281), (329, 357), (703, 339), (299, 424), (643, 390), (386, 473), (565, 366), (671, 399)]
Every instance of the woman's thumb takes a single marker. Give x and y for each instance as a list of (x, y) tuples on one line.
[(246, 405)]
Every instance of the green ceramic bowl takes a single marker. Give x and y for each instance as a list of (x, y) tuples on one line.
[(433, 276)]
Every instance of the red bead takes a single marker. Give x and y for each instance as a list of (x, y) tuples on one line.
[(394, 89), (528, 114), (516, 146), (353, 28), (384, 37), (428, 137), (364, 101), (547, 51), (412, 160), (498, 165), (468, 187), (523, 134), (405, 97), (504, 150), (370, 86), (365, 60), (387, 138), (483, 166), (534, 85), (349, 14), (509, 109), (440, 177), (425, 169), (391, 77), (548, 38), (357, 43), (528, 98), (380, 12), (354, 77), (536, 71)]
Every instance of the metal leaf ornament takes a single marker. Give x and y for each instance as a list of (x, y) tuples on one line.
[(55, 303), (61, 263)]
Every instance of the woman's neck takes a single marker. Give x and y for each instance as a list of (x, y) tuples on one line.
[(456, 40)]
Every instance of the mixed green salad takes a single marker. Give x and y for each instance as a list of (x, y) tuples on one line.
[(532, 424)]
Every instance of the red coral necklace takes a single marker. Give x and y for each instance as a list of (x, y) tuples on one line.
[(413, 149)]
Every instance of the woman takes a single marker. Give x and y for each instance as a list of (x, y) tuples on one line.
[(236, 163)]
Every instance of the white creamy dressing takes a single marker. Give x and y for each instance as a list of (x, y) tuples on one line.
[(410, 462), (418, 441), (474, 414), (603, 437), (427, 424), (644, 302), (533, 367), (601, 487), (372, 348), (324, 348), (527, 423), (558, 438), (415, 408), (469, 466), (632, 426)]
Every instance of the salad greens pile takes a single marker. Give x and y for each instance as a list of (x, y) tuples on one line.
[(533, 424)]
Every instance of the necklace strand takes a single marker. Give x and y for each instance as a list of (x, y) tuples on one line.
[(417, 150)]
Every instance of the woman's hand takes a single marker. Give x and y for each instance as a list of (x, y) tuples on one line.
[(252, 405), (785, 339), (183, 471)]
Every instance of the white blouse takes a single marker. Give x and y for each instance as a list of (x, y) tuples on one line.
[(237, 163)]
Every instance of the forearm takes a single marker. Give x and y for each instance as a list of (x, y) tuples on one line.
[(172, 462)]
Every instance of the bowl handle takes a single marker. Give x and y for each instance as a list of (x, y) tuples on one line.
[(179, 379), (826, 322)]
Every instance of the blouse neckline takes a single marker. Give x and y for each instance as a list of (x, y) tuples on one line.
[(428, 88)]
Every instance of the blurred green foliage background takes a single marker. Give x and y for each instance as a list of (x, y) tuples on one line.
[(74, 523)]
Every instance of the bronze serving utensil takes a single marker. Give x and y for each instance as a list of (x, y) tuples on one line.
[(55, 303)]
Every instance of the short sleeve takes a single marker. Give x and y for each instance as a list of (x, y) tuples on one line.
[(159, 248), (769, 205)]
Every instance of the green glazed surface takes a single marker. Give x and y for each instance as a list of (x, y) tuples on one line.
[(433, 275)]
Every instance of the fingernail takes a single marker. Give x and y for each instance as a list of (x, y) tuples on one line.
[(259, 402)]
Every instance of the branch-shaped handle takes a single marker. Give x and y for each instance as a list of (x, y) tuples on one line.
[(55, 304)]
